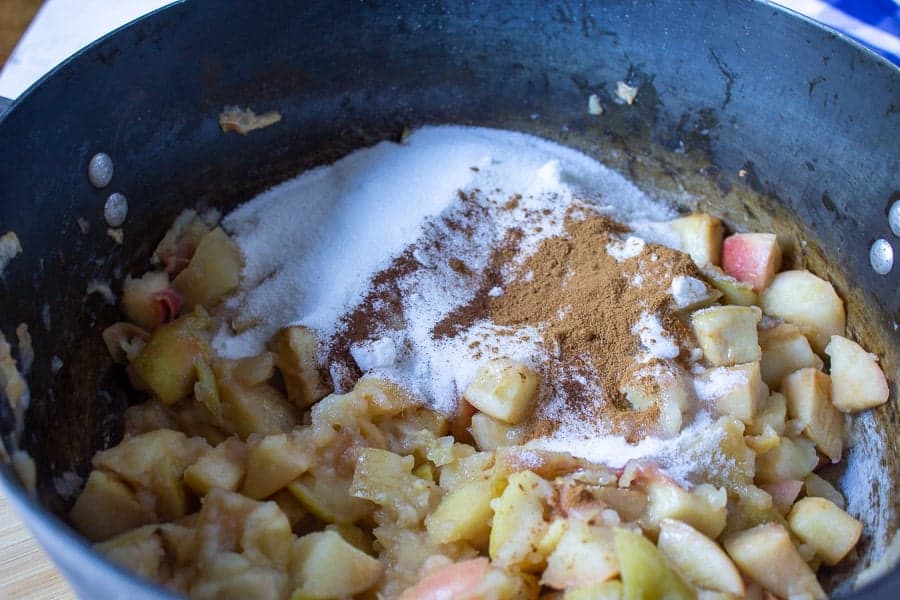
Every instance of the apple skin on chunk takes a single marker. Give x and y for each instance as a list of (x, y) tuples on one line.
[(808, 301), (857, 382), (766, 554), (752, 257)]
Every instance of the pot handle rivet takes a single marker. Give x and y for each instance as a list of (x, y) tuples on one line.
[(100, 170), (894, 218), (881, 256)]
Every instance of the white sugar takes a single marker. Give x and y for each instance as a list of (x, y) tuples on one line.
[(715, 383), (654, 338), (687, 290), (623, 250)]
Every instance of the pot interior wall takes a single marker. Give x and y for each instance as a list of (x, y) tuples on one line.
[(724, 87)]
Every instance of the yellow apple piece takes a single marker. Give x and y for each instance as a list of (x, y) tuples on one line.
[(704, 507), (464, 513), (826, 527), (139, 550), (107, 508), (736, 391), (753, 258), (820, 488), (608, 590), (296, 356), (144, 301), (248, 409), (784, 350), (857, 382), (490, 433), (783, 493), (727, 334), (808, 394), (809, 302), (792, 458), (767, 555), (213, 273), (519, 524), (326, 495), (645, 572), (221, 467), (701, 237), (773, 415), (584, 555), (701, 560), (325, 566), (275, 460), (386, 479), (735, 292), (503, 389)]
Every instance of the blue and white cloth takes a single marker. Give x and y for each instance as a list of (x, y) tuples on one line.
[(873, 23)]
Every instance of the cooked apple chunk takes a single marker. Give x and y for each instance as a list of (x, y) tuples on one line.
[(463, 514), (221, 467), (792, 458), (701, 237), (784, 350), (274, 461), (736, 292), (645, 571), (519, 523), (808, 394), (857, 382), (736, 391), (584, 555), (752, 257), (503, 389), (490, 433), (704, 507), (213, 272), (801, 298), (766, 554), (826, 527), (107, 508), (324, 566), (727, 334), (698, 558), (295, 349)]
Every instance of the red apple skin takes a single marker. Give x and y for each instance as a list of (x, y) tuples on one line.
[(753, 258), (783, 493)]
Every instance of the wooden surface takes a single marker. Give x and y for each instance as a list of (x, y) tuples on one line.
[(25, 571), (14, 18)]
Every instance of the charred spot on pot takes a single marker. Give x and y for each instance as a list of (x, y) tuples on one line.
[(115, 210), (881, 256), (100, 170)]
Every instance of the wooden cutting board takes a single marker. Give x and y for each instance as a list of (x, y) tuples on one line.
[(25, 570)]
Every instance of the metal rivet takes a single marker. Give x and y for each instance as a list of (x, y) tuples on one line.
[(100, 170), (894, 218), (881, 256), (115, 210)]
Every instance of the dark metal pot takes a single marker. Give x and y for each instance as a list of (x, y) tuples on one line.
[(756, 114)]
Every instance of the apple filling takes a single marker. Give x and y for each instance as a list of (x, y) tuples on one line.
[(275, 475)]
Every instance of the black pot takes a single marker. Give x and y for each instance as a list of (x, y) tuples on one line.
[(744, 109)]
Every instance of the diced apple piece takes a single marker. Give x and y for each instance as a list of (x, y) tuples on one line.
[(701, 237), (704, 507), (801, 298), (783, 493), (386, 479), (749, 506), (737, 391), (466, 468), (584, 555), (221, 467), (266, 538), (645, 571), (689, 293), (793, 458), (463, 514), (325, 566), (752, 257), (213, 273), (826, 527), (503, 389), (166, 362), (773, 414), (664, 390), (808, 394), (820, 488), (784, 350), (469, 579), (490, 433), (155, 462), (327, 496), (296, 357), (175, 250), (274, 461), (608, 590), (232, 575), (735, 292), (148, 302), (139, 551), (766, 554), (727, 334), (698, 558), (722, 441), (250, 409), (857, 382), (518, 524), (107, 507)]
